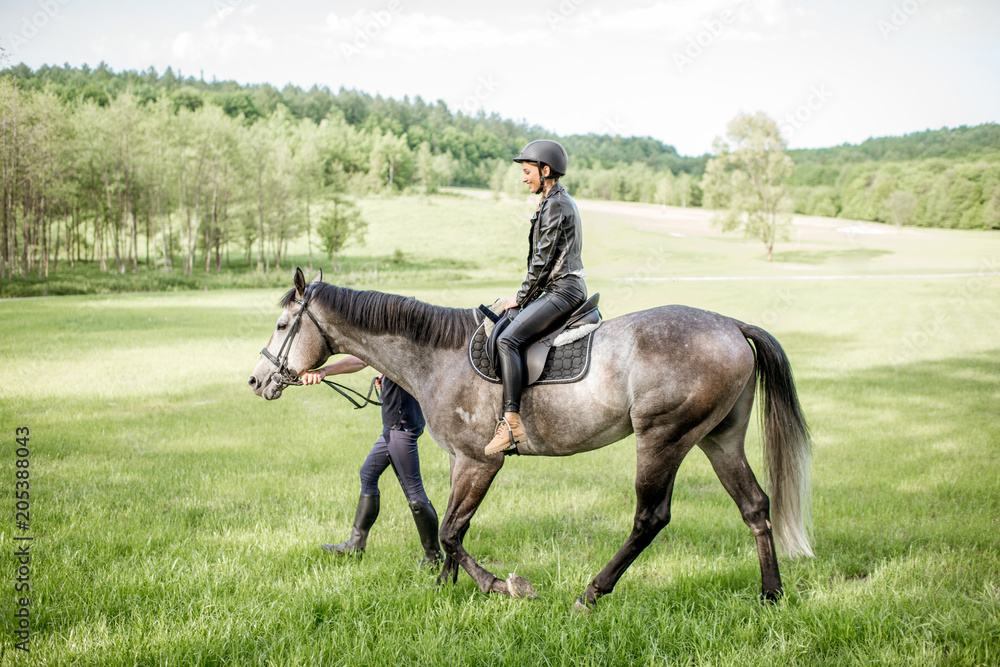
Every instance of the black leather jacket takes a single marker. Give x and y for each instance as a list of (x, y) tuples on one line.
[(556, 242)]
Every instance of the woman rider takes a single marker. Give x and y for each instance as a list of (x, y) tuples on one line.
[(554, 285)]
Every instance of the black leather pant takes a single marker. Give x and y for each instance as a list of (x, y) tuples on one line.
[(534, 321)]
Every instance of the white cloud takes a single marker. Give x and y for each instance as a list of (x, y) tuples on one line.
[(421, 32), (229, 43), (768, 12), (759, 36), (99, 46), (140, 46), (183, 46), (615, 70), (225, 36), (670, 20), (219, 17)]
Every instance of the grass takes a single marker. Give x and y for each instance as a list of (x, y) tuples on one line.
[(177, 517)]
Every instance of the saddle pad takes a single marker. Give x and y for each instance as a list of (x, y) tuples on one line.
[(565, 364)]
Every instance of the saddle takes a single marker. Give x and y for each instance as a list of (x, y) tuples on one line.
[(561, 356)]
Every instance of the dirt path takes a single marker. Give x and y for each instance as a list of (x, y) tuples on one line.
[(886, 276)]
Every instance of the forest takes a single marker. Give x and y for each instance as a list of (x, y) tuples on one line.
[(940, 178), (124, 169)]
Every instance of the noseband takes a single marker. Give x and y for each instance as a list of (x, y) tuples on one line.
[(283, 376)]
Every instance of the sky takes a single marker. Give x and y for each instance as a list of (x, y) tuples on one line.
[(675, 70)]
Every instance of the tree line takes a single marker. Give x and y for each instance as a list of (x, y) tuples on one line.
[(936, 178), (951, 179), (85, 181), (155, 168), (960, 192), (129, 168), (472, 140)]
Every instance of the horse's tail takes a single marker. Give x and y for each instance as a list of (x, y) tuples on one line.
[(787, 449)]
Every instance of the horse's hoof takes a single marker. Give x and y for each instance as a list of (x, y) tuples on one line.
[(582, 607), (519, 587), (770, 597)]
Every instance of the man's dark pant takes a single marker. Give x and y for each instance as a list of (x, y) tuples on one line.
[(398, 449)]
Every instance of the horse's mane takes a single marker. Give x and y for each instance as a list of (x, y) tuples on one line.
[(382, 313)]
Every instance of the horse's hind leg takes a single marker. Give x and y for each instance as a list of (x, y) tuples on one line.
[(724, 448), (659, 456)]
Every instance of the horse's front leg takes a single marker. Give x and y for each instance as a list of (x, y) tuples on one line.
[(470, 480)]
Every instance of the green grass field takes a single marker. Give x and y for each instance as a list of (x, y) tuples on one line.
[(177, 518)]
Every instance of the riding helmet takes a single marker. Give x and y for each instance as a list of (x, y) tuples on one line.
[(545, 151)]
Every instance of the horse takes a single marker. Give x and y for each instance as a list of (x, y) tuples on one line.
[(675, 376)]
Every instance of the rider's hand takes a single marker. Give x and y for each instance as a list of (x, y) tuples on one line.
[(313, 377), (511, 303), (378, 382)]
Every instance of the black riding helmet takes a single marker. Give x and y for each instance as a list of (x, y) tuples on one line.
[(545, 152)]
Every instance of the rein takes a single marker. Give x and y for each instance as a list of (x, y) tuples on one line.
[(365, 400), (284, 377)]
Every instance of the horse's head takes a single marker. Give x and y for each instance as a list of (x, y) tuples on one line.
[(297, 344)]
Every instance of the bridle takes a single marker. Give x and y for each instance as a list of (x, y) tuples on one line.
[(283, 376)]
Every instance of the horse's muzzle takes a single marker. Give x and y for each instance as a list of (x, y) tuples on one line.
[(270, 389)]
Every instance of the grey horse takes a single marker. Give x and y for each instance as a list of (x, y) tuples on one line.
[(675, 376)]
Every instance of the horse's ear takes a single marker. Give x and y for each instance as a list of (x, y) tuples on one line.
[(300, 282), (319, 277)]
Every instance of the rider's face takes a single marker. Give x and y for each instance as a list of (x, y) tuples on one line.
[(530, 176)]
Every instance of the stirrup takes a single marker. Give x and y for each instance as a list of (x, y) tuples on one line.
[(496, 447)]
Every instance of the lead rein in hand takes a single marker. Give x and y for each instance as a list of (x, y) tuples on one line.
[(365, 400)]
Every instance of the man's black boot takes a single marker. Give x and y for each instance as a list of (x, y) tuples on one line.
[(364, 518), (427, 527)]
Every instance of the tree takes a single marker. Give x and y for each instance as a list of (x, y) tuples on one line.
[(48, 170), (991, 209), (391, 160), (506, 179), (425, 169), (746, 181), (444, 168), (901, 207), (340, 226), (684, 190), (268, 157), (309, 173)]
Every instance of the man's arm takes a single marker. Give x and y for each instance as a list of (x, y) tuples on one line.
[(349, 364)]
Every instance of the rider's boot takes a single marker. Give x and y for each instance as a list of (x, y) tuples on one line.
[(508, 435), (427, 527), (364, 518)]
